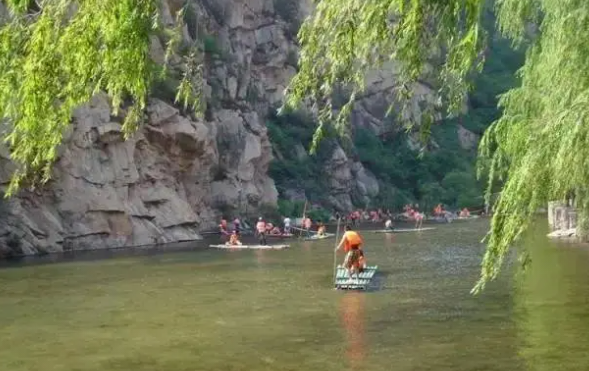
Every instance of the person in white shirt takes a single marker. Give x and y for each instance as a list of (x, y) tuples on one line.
[(287, 225), (388, 224)]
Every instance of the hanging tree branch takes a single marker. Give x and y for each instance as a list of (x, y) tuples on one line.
[(539, 147), (56, 54)]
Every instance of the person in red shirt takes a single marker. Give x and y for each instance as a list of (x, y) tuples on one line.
[(223, 226), (352, 242)]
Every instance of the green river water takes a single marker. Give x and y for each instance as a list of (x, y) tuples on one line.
[(202, 309)]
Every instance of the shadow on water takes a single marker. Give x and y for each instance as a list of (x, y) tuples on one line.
[(103, 254)]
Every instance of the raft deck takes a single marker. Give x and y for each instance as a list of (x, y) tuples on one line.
[(255, 247), (283, 235), (315, 237), (343, 282), (471, 217)]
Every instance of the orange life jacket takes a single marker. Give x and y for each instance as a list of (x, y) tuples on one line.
[(352, 239)]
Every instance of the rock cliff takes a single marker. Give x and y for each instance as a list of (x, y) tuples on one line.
[(177, 175)]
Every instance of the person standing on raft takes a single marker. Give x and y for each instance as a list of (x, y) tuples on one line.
[(223, 226), (261, 231), (354, 260), (286, 225), (307, 224)]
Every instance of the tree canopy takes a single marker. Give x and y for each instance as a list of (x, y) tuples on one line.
[(538, 148), (56, 54)]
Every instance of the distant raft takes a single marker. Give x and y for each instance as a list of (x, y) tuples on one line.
[(360, 282), (282, 235), (316, 237), (470, 217), (254, 247), (404, 230)]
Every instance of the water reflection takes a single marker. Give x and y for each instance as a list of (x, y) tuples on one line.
[(553, 307), (352, 320), (261, 257)]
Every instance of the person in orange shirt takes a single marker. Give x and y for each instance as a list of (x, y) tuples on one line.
[(321, 229), (234, 239), (351, 242)]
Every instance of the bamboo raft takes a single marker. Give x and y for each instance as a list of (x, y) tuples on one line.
[(471, 217), (283, 235), (315, 237), (404, 230), (357, 282), (253, 247)]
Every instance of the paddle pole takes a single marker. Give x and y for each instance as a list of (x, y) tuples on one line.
[(335, 252)]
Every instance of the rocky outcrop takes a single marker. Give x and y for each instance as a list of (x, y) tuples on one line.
[(340, 180), (467, 139), (562, 220), (161, 185)]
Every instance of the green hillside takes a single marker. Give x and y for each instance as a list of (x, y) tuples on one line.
[(444, 174)]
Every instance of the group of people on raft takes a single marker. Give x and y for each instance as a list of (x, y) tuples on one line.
[(264, 229), (351, 242), (440, 212)]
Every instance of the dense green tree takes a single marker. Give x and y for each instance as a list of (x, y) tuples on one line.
[(540, 144), (56, 54)]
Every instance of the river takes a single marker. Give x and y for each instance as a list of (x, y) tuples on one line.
[(202, 309)]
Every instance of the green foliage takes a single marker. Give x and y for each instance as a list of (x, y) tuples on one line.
[(342, 41), (56, 57), (211, 46), (540, 145), (292, 172), (291, 208), (443, 176), (319, 215), (543, 129)]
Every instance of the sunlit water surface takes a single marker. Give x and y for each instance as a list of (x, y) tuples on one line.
[(201, 309)]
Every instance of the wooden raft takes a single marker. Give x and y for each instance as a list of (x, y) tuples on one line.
[(468, 217), (360, 282), (404, 230), (315, 237), (256, 247), (283, 235)]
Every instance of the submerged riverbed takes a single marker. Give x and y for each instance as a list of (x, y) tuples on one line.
[(276, 310)]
